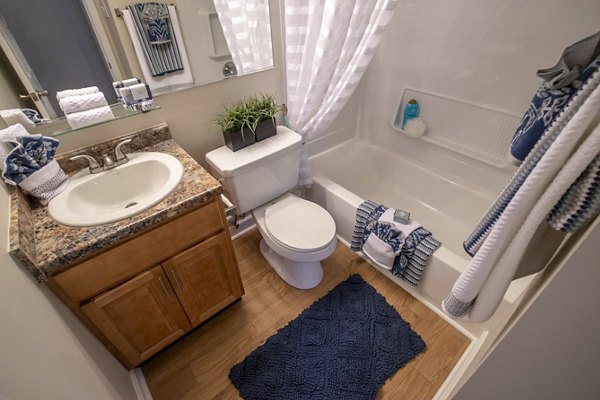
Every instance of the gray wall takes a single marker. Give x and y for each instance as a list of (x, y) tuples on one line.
[(553, 351)]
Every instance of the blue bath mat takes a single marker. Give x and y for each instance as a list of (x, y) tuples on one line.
[(344, 346)]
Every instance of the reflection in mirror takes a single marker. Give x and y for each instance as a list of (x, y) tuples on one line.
[(69, 44)]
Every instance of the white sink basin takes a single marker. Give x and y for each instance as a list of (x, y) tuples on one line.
[(118, 193)]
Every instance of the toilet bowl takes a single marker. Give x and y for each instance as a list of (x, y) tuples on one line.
[(296, 235)]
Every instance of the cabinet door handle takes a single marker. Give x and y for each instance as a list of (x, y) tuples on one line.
[(176, 280), (163, 286)]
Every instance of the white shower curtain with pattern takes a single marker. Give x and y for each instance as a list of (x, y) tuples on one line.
[(247, 29), (329, 45)]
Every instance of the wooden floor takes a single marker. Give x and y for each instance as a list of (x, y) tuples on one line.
[(197, 366)]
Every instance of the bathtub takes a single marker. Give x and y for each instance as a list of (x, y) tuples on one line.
[(348, 174)]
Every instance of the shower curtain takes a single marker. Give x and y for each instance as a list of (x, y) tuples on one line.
[(328, 46), (247, 29)]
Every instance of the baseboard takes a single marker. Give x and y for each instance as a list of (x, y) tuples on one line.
[(140, 386)]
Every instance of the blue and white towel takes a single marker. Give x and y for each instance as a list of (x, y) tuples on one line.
[(30, 164), (557, 124), (161, 54), (581, 203), (410, 245), (545, 106), (155, 17)]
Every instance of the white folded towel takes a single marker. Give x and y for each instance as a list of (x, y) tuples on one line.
[(377, 249), (89, 117), (15, 116), (379, 252), (76, 92), (7, 135), (82, 102)]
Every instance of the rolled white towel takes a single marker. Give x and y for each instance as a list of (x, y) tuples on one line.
[(82, 102), (7, 135), (15, 116), (89, 117), (76, 92)]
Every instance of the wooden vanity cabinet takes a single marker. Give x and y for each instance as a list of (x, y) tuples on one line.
[(139, 317), (204, 278), (145, 293)]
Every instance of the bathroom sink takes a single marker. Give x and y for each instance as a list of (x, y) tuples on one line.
[(118, 193)]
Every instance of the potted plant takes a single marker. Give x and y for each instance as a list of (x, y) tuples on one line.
[(248, 121)]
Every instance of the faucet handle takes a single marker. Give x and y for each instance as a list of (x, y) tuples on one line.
[(94, 167), (121, 158)]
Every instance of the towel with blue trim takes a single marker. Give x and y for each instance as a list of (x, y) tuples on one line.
[(402, 248), (28, 161), (155, 31), (581, 203), (480, 233), (546, 105)]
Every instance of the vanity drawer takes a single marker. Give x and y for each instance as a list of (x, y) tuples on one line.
[(116, 265)]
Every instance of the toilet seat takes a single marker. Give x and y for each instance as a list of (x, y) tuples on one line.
[(299, 225)]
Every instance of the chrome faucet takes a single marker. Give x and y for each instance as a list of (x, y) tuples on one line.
[(93, 164), (108, 162), (121, 158)]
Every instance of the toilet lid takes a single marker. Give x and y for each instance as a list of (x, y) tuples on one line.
[(299, 224)]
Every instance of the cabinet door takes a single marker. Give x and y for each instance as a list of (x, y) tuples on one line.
[(139, 317), (205, 277)]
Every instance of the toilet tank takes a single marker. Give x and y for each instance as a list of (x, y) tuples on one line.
[(258, 173)]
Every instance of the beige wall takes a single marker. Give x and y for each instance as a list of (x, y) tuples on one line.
[(46, 352), (552, 351)]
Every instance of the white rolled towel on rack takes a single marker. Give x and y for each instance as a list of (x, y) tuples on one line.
[(82, 102), (89, 117), (76, 92)]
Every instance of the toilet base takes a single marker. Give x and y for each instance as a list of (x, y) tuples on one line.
[(299, 274)]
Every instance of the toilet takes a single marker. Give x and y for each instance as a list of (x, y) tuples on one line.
[(296, 233)]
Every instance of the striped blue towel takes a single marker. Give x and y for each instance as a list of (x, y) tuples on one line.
[(475, 240), (162, 55), (417, 247)]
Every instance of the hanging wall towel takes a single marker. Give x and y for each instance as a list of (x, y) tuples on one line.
[(164, 57), (550, 135), (573, 60), (155, 18), (501, 240), (167, 81)]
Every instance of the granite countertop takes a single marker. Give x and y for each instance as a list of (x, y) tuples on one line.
[(46, 247)]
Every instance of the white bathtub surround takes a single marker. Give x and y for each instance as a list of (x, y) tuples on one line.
[(482, 285), (247, 31), (329, 45)]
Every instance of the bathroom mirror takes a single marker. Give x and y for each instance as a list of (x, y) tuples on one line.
[(53, 45)]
